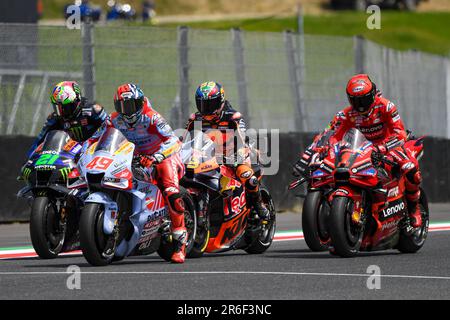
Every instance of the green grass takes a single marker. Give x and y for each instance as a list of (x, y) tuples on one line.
[(429, 32)]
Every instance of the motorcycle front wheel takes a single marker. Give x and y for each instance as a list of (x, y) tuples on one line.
[(313, 223), (345, 236), (92, 239), (45, 232)]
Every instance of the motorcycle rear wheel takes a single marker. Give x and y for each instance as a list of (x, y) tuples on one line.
[(346, 240), (412, 243), (165, 249), (263, 242)]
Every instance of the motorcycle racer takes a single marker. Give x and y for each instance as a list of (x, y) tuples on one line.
[(71, 113), (156, 144), (218, 118), (378, 119)]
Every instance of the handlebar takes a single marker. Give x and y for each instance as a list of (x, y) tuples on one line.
[(379, 157)]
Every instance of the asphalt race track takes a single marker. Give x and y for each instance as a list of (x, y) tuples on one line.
[(288, 270)]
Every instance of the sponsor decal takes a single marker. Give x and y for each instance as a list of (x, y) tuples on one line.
[(389, 225), (237, 203), (371, 129), (157, 215), (394, 192), (362, 167), (246, 174), (368, 172), (358, 89), (342, 191), (408, 166), (326, 167), (393, 208), (45, 167), (112, 180), (49, 152), (318, 173), (124, 174)]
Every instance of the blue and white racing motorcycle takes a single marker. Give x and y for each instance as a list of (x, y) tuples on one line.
[(123, 214)]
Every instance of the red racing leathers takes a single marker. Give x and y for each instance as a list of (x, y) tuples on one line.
[(383, 126), (153, 135)]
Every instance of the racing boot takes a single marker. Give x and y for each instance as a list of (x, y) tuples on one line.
[(256, 202), (412, 182), (415, 215), (179, 236)]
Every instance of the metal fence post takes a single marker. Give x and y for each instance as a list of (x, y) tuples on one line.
[(183, 74), (240, 73), (447, 89), (294, 77), (358, 47), (87, 35)]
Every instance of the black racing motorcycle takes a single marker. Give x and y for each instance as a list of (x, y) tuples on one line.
[(55, 210)]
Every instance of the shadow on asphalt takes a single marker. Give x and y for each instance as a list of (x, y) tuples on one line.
[(153, 259), (307, 254)]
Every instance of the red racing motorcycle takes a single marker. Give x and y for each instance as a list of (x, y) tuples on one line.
[(366, 195)]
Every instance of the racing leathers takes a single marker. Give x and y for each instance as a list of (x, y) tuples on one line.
[(383, 126), (223, 129), (153, 137), (80, 128)]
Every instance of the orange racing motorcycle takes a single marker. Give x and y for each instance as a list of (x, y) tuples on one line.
[(224, 221)]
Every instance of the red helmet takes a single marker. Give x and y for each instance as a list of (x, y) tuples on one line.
[(361, 92)]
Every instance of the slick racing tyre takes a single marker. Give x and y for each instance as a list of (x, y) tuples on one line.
[(263, 242), (165, 250), (93, 241), (313, 222), (412, 243), (346, 237), (46, 234)]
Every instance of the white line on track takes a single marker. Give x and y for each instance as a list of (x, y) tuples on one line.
[(327, 274)]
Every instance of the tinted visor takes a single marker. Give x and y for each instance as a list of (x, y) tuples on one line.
[(66, 111), (128, 107), (362, 103), (208, 106)]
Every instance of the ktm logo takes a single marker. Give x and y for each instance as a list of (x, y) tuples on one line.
[(234, 229)]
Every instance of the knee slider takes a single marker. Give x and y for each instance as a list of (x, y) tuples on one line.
[(252, 183), (176, 202), (414, 176)]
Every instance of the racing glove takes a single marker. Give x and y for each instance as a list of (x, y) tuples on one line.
[(147, 161)]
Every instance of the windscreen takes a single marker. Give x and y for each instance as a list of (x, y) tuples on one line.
[(111, 140), (324, 139), (353, 140), (203, 147), (55, 141)]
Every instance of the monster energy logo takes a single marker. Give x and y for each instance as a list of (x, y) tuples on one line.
[(26, 173), (77, 133), (65, 173)]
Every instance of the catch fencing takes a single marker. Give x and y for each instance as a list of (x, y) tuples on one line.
[(285, 81)]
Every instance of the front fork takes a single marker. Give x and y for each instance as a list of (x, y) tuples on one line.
[(359, 210)]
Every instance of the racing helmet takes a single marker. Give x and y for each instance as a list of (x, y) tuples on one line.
[(209, 97), (66, 99), (361, 93), (129, 101)]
